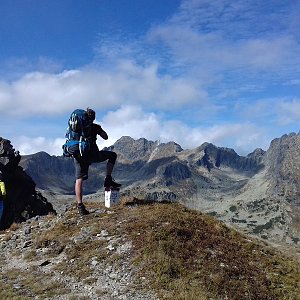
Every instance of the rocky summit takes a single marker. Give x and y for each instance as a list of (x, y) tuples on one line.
[(22, 201), (257, 193), (140, 250)]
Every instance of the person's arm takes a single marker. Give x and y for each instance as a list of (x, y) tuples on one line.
[(104, 135), (101, 132)]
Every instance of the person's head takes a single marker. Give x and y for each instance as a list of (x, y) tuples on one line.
[(91, 113)]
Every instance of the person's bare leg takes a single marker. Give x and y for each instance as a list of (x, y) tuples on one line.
[(78, 190)]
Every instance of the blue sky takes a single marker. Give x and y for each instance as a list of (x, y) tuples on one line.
[(194, 71)]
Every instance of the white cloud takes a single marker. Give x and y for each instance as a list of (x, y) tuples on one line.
[(265, 53), (272, 112), (259, 111), (214, 52), (13, 68), (239, 19), (133, 121), (130, 121), (5, 96), (288, 111), (27, 145), (125, 84), (238, 41), (243, 137)]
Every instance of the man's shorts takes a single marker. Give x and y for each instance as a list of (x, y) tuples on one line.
[(82, 164)]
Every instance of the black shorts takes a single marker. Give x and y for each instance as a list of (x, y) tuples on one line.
[(82, 164)]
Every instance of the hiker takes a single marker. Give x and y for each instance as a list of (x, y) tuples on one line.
[(94, 155), (2, 194)]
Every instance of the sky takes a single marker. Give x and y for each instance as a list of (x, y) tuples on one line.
[(191, 71)]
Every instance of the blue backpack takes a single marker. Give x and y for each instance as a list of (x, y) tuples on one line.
[(78, 134)]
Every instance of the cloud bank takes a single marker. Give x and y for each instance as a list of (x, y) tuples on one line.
[(215, 71)]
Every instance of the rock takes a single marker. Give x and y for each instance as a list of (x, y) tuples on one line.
[(27, 244), (22, 201), (283, 168), (216, 157), (175, 172), (103, 233), (45, 263), (130, 150), (110, 247), (27, 230)]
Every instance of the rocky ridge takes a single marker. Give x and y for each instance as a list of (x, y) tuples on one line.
[(258, 193)]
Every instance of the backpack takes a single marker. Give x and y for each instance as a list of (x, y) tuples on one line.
[(78, 134)]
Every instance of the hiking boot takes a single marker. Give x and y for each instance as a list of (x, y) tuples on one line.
[(82, 210), (110, 183)]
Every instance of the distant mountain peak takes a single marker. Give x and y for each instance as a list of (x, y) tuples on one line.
[(257, 153), (130, 149)]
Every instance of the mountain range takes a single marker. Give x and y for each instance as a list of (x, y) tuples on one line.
[(258, 193)]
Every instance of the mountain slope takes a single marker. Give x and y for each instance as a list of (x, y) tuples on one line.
[(141, 250)]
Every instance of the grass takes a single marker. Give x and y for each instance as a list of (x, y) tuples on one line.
[(189, 255), (43, 286), (80, 257), (179, 254), (7, 292)]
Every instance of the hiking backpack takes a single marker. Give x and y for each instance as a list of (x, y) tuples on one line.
[(78, 134)]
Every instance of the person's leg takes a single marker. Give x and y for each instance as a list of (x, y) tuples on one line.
[(78, 190), (111, 158), (81, 173), (109, 168)]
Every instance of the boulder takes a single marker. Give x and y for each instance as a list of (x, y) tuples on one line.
[(22, 201)]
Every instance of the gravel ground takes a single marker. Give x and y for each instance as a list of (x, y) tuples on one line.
[(109, 278)]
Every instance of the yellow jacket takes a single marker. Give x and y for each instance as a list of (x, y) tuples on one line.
[(2, 189)]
